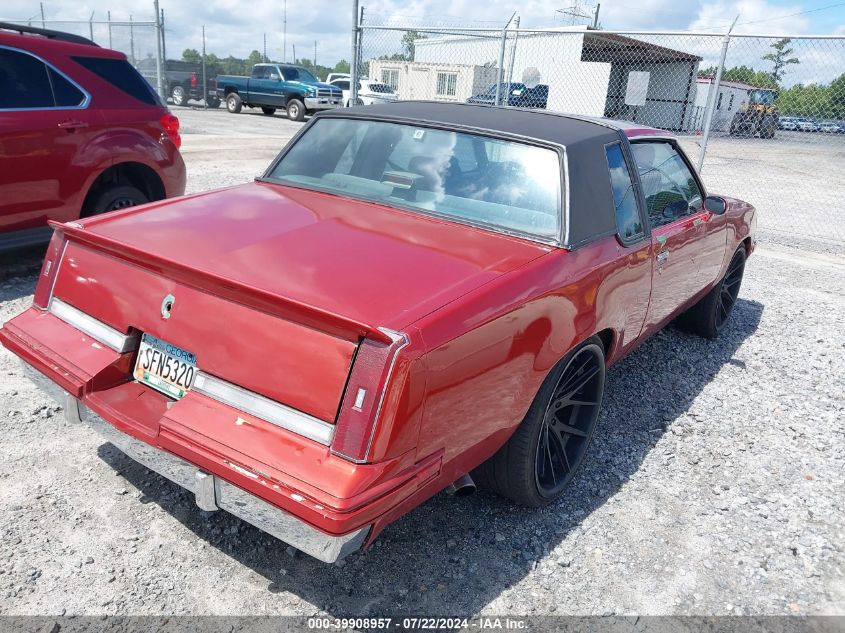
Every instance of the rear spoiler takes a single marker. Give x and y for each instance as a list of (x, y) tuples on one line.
[(244, 294)]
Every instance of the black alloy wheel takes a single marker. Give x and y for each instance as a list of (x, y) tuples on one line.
[(729, 290), (569, 421)]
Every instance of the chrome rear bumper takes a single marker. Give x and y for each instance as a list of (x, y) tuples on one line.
[(212, 493)]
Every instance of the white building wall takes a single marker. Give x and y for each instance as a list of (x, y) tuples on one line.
[(418, 80), (574, 86)]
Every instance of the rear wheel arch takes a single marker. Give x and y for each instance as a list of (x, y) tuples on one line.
[(131, 174)]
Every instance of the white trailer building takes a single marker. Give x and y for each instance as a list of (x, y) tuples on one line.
[(433, 80), (588, 72), (728, 100)]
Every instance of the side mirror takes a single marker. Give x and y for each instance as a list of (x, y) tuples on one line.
[(676, 209), (715, 204), (274, 77)]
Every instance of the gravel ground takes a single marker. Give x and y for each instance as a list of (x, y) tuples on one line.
[(714, 485)]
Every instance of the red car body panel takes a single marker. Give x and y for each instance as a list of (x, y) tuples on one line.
[(486, 317), (53, 156)]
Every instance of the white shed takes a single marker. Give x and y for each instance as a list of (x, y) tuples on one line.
[(588, 71)]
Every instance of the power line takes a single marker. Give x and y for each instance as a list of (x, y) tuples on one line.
[(792, 15)]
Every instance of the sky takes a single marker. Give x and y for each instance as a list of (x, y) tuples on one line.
[(236, 26)]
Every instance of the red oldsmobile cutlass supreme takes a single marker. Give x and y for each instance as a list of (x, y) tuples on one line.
[(411, 293)]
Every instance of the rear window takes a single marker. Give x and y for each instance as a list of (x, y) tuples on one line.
[(121, 74), (24, 80), (501, 184)]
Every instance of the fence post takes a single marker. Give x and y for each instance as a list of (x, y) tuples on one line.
[(356, 47), (712, 95), (513, 52), (501, 76), (204, 81), (110, 44), (159, 78)]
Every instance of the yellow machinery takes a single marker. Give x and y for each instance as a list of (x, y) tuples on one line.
[(758, 115)]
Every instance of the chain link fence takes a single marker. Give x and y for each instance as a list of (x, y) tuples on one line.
[(136, 39), (763, 117)]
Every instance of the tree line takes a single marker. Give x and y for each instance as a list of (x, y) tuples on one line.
[(231, 65), (825, 101)]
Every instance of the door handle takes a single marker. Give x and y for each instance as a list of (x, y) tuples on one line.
[(662, 257), (72, 125)]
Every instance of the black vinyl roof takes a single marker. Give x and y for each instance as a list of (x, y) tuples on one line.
[(555, 128), (589, 207)]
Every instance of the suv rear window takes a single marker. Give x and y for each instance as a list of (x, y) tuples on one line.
[(121, 74)]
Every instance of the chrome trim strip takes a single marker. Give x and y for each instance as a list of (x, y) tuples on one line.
[(82, 106), (107, 335), (269, 410)]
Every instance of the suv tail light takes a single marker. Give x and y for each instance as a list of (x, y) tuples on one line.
[(193, 80), (49, 269), (171, 125), (368, 385)]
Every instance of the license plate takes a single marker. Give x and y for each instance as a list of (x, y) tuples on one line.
[(165, 367)]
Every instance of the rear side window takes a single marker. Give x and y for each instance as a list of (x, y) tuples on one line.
[(628, 219), (121, 74), (24, 80), (66, 94)]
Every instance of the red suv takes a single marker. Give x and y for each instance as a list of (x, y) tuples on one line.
[(81, 133)]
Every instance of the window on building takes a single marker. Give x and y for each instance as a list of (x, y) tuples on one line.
[(447, 84), (391, 78), (719, 102)]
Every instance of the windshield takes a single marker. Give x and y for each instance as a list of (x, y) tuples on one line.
[(464, 177), (298, 74)]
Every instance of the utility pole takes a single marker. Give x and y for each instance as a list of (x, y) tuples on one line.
[(163, 47), (91, 27), (131, 40), (159, 74), (285, 34), (294, 53), (353, 68), (109, 14), (574, 12), (204, 84), (265, 48), (315, 56)]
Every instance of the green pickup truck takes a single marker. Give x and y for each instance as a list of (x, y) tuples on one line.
[(274, 86)]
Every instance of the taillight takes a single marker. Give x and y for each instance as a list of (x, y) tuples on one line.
[(171, 126), (193, 80), (365, 394), (49, 269)]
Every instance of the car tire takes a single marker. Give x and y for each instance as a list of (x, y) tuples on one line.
[(113, 198), (178, 95), (541, 458), (708, 317), (234, 103), (213, 102), (268, 111), (296, 110)]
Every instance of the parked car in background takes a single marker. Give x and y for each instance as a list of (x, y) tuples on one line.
[(182, 81), (81, 132), (787, 123), (273, 86), (829, 127), (515, 95), (410, 297), (332, 76), (369, 92), (807, 125)]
